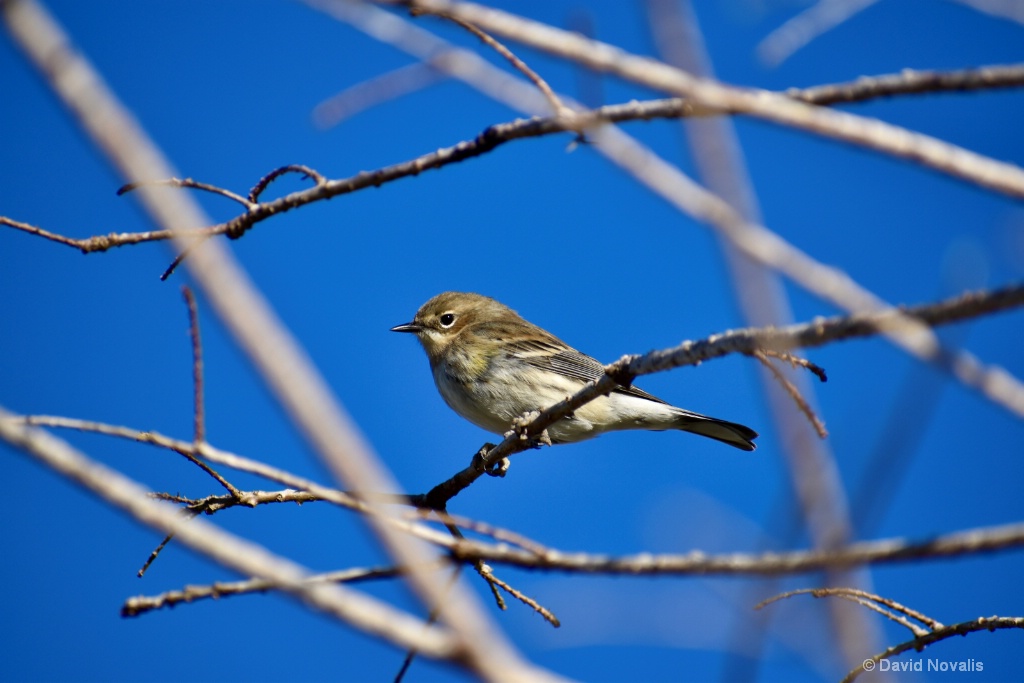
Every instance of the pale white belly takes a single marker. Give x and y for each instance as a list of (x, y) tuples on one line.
[(496, 403)]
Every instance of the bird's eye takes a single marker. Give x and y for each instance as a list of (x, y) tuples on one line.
[(447, 319)]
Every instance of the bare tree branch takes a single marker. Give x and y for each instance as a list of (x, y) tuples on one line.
[(885, 551), (863, 89), (870, 133), (141, 604), (668, 181), (962, 629), (556, 103), (248, 558), (1011, 10), (809, 24), (912, 82), (870, 600), (623, 371), (479, 645)]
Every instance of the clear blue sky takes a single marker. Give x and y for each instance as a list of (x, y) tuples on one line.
[(227, 90)]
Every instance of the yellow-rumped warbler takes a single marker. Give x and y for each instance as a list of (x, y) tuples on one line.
[(491, 367)]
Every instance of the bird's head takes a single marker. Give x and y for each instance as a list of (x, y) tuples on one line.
[(440, 321)]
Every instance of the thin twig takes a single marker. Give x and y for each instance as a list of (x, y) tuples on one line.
[(962, 629), (199, 415), (156, 553), (141, 604), (190, 455), (199, 412), (96, 243), (912, 82), (798, 362), (432, 618), (869, 600), (479, 566), (955, 544), (794, 393), (557, 106), (264, 182), (932, 624), (885, 551), (863, 89), (372, 615), (522, 597), (185, 182), (485, 529), (184, 253)]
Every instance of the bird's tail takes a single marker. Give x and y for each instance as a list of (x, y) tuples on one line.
[(732, 433)]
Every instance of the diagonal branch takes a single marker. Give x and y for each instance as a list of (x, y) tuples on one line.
[(229, 550), (857, 130)]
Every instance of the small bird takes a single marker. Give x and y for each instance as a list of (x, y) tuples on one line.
[(491, 367)]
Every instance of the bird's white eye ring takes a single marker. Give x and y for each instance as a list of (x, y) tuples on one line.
[(447, 319)]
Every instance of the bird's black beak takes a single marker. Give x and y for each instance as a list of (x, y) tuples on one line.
[(407, 327)]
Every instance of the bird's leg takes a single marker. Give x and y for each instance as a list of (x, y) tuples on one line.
[(520, 425), (497, 469)]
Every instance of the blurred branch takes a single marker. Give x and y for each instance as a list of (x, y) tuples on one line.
[(305, 490), (368, 94), (754, 240), (1013, 10), (667, 181), (820, 500), (235, 553), (816, 333), (866, 132), (471, 639), (112, 487), (819, 18), (863, 89)]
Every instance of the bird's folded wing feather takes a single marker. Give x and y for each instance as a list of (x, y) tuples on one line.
[(556, 357)]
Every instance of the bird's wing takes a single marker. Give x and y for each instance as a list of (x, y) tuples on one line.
[(554, 356)]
